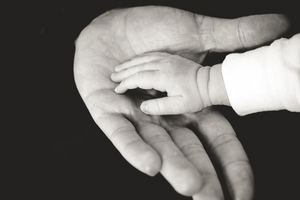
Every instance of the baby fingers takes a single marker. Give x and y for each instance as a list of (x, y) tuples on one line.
[(144, 80), (124, 74)]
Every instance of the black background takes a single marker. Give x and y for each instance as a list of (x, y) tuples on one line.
[(56, 151)]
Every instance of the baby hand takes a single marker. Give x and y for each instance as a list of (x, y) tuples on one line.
[(169, 73)]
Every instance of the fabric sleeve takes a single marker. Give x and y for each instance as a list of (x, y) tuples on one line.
[(264, 79)]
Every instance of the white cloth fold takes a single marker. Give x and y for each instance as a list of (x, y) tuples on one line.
[(264, 79)]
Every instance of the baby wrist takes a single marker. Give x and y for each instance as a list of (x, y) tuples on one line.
[(203, 74), (216, 86)]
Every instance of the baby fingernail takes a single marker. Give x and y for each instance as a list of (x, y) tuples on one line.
[(144, 107), (117, 89)]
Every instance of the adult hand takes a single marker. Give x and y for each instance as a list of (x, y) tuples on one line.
[(165, 144)]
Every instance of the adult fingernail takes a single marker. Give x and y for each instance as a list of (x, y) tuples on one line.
[(112, 75)]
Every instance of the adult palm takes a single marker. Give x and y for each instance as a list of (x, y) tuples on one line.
[(167, 144)]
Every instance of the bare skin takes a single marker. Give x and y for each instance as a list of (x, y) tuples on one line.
[(155, 144), (190, 87)]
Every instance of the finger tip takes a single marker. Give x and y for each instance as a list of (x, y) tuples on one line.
[(118, 90), (152, 169), (152, 163), (187, 181), (241, 183), (112, 76), (144, 158), (191, 185)]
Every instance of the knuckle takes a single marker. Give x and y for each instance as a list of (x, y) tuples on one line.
[(221, 140), (192, 149), (122, 130), (158, 139), (236, 163)]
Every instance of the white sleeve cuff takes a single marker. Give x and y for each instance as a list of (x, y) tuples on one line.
[(263, 79)]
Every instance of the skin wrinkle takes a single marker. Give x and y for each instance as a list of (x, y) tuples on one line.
[(223, 143), (113, 55), (138, 77), (91, 104), (170, 93), (176, 154), (192, 149), (207, 85), (178, 105), (136, 113), (231, 138), (198, 25), (213, 35), (202, 32), (196, 76), (115, 42), (170, 125), (122, 50), (158, 106), (241, 34), (120, 130), (104, 112), (88, 96), (138, 140), (158, 139), (103, 54), (96, 60), (100, 37), (236, 162)]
